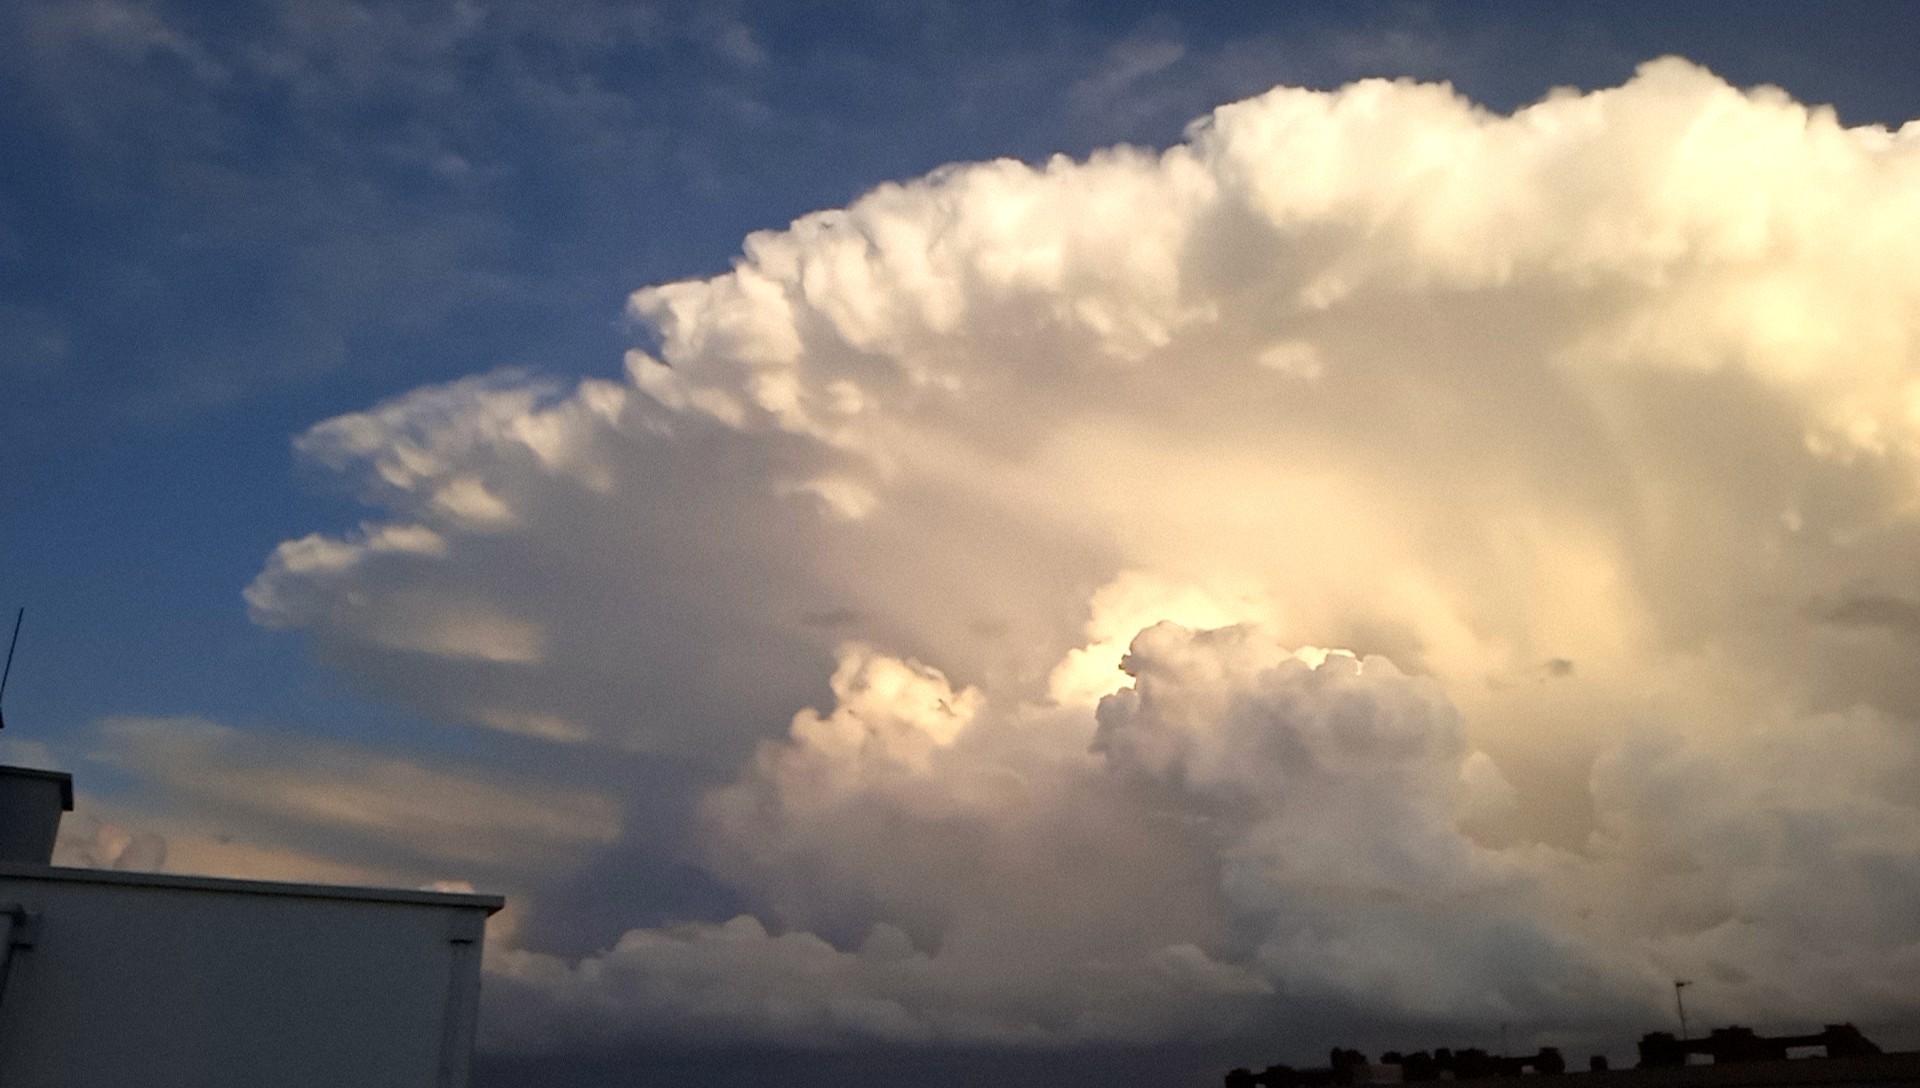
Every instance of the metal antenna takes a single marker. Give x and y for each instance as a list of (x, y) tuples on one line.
[(1680, 984), (18, 616)]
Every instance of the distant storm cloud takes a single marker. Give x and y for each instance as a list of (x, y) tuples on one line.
[(982, 535)]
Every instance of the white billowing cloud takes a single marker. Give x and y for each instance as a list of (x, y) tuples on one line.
[(1343, 776), (1250, 827), (978, 878), (705, 984), (1588, 431), (1779, 865), (1336, 789)]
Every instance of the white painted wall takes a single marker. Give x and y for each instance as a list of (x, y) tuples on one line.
[(164, 981)]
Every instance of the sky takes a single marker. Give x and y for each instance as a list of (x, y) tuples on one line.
[(1059, 543)]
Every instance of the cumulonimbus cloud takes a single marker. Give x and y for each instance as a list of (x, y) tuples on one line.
[(1589, 430)]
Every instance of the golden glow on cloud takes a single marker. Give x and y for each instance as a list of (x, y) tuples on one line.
[(1582, 439)]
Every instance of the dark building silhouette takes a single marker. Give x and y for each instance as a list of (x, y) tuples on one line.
[(1660, 1050), (1729, 1057)]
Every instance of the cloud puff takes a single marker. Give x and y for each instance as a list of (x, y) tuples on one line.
[(1251, 829), (1571, 426), (107, 845)]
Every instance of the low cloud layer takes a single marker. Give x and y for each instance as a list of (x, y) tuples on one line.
[(1377, 553), (253, 803)]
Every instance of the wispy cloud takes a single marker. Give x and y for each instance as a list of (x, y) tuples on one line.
[(248, 800)]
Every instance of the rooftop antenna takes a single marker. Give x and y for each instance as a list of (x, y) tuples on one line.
[(18, 616), (1680, 984)]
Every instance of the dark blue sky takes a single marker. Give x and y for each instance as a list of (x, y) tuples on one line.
[(223, 224)]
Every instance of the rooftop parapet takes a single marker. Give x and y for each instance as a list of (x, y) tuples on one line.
[(31, 803)]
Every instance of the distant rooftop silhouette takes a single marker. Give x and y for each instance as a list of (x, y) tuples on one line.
[(1736, 1057)]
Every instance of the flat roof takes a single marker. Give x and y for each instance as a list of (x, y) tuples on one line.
[(227, 885), (61, 778)]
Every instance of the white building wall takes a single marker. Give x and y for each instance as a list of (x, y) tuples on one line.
[(163, 981)]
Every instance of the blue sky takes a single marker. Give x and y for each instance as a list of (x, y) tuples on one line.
[(223, 226)]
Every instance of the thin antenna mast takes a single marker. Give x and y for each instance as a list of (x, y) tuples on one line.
[(1680, 984), (18, 616)]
